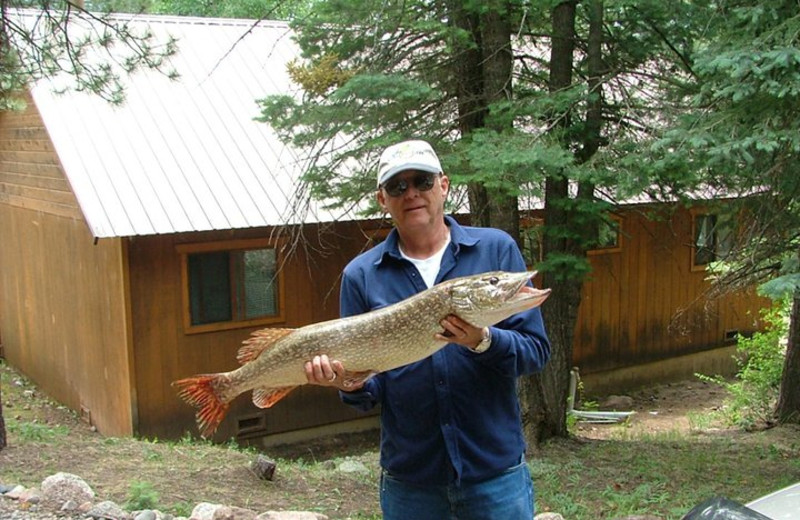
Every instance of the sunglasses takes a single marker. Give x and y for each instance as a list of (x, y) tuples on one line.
[(422, 181)]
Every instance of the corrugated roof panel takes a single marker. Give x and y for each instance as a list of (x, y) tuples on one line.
[(184, 155)]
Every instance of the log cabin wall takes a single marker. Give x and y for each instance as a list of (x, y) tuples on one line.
[(644, 301), (62, 299)]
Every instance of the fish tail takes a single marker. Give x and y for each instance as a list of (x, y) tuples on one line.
[(200, 392)]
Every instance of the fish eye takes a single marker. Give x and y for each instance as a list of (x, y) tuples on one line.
[(494, 280)]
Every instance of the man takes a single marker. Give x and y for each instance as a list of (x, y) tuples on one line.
[(451, 438)]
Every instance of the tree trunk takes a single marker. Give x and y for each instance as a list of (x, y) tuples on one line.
[(546, 395), (468, 87), (788, 410), (497, 81)]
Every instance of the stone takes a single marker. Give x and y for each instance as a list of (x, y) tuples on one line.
[(69, 505), (233, 513), (548, 516), (107, 510), (617, 403), (204, 511), (61, 487), (352, 466), (15, 493), (31, 496), (263, 467)]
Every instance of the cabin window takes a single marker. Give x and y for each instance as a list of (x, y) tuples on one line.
[(608, 236), (231, 285), (713, 238)]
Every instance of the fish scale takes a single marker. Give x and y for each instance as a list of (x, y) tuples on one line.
[(376, 341)]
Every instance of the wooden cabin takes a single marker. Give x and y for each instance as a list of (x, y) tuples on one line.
[(143, 243)]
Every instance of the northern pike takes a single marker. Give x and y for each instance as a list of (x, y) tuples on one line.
[(390, 337)]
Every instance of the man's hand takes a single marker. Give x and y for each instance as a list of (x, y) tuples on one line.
[(460, 331), (322, 371)]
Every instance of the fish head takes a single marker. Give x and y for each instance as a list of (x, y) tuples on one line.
[(489, 298)]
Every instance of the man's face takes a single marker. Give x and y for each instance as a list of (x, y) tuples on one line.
[(415, 206)]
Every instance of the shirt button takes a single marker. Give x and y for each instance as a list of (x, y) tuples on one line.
[(441, 382)]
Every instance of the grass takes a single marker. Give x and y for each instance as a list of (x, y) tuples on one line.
[(626, 471), (663, 474)]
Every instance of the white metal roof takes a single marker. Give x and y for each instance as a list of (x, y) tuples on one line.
[(184, 155)]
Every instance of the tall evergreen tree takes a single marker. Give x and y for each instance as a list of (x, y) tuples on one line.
[(526, 100), (738, 134)]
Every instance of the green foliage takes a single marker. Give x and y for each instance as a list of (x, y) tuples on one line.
[(402, 70), (738, 134), (141, 495), (182, 509), (34, 431), (760, 359), (81, 50)]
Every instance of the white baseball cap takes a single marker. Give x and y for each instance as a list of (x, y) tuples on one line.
[(407, 155)]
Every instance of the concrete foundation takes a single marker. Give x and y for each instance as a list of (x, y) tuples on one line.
[(719, 361)]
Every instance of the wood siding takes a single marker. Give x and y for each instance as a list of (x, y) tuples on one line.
[(645, 303), (165, 352), (62, 315), (30, 172)]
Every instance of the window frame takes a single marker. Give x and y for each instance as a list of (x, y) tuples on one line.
[(616, 248), (696, 215), (184, 250)]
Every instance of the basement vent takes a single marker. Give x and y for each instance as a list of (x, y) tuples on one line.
[(249, 424), (86, 415), (730, 336)]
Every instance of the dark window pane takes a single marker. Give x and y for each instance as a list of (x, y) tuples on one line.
[(608, 234), (704, 239), (209, 287), (724, 232), (226, 286), (259, 283)]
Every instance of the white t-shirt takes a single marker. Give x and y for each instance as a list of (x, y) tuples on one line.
[(428, 267)]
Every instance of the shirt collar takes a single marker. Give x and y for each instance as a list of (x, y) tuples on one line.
[(458, 237)]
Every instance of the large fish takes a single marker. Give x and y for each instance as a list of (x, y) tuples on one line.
[(377, 341)]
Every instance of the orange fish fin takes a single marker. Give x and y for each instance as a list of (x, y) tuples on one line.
[(357, 378), (258, 342), (266, 397), (200, 392)]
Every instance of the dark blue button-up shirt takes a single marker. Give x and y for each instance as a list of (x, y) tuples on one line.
[(455, 415)]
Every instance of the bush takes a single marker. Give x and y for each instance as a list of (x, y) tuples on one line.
[(760, 358), (141, 495)]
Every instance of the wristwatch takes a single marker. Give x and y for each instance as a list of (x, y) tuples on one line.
[(486, 342)]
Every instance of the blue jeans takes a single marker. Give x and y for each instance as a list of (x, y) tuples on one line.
[(508, 496)]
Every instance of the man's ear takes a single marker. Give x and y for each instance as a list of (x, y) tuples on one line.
[(445, 182), (381, 197)]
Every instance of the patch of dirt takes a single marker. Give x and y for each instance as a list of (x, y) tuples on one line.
[(679, 407)]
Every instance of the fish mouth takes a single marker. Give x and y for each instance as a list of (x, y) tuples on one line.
[(527, 297)]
